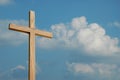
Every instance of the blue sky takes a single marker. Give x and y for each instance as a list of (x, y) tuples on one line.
[(85, 46)]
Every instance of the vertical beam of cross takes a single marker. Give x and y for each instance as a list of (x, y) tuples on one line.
[(32, 71), (32, 32)]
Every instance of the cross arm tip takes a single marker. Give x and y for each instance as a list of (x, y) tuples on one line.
[(47, 35), (50, 35), (11, 25), (44, 33)]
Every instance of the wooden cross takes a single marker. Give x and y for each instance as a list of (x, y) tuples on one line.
[(32, 32)]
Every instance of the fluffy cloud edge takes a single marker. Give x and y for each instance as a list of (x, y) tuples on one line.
[(9, 37), (98, 69), (18, 72), (79, 35)]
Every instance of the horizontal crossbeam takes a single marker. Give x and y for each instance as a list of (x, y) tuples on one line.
[(28, 30)]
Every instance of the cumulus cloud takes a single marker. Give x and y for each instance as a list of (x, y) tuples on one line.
[(6, 2), (94, 40), (100, 69), (78, 34), (9, 37)]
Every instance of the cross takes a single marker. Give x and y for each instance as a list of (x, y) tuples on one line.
[(32, 32)]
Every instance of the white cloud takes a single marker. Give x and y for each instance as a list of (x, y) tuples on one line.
[(18, 67), (16, 73), (100, 69), (94, 40), (79, 22), (9, 37), (83, 68), (116, 24), (78, 34), (6, 2)]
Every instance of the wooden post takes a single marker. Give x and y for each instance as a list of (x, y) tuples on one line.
[(32, 71), (32, 32)]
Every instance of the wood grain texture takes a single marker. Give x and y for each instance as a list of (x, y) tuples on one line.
[(19, 28), (32, 71), (31, 19), (32, 32)]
